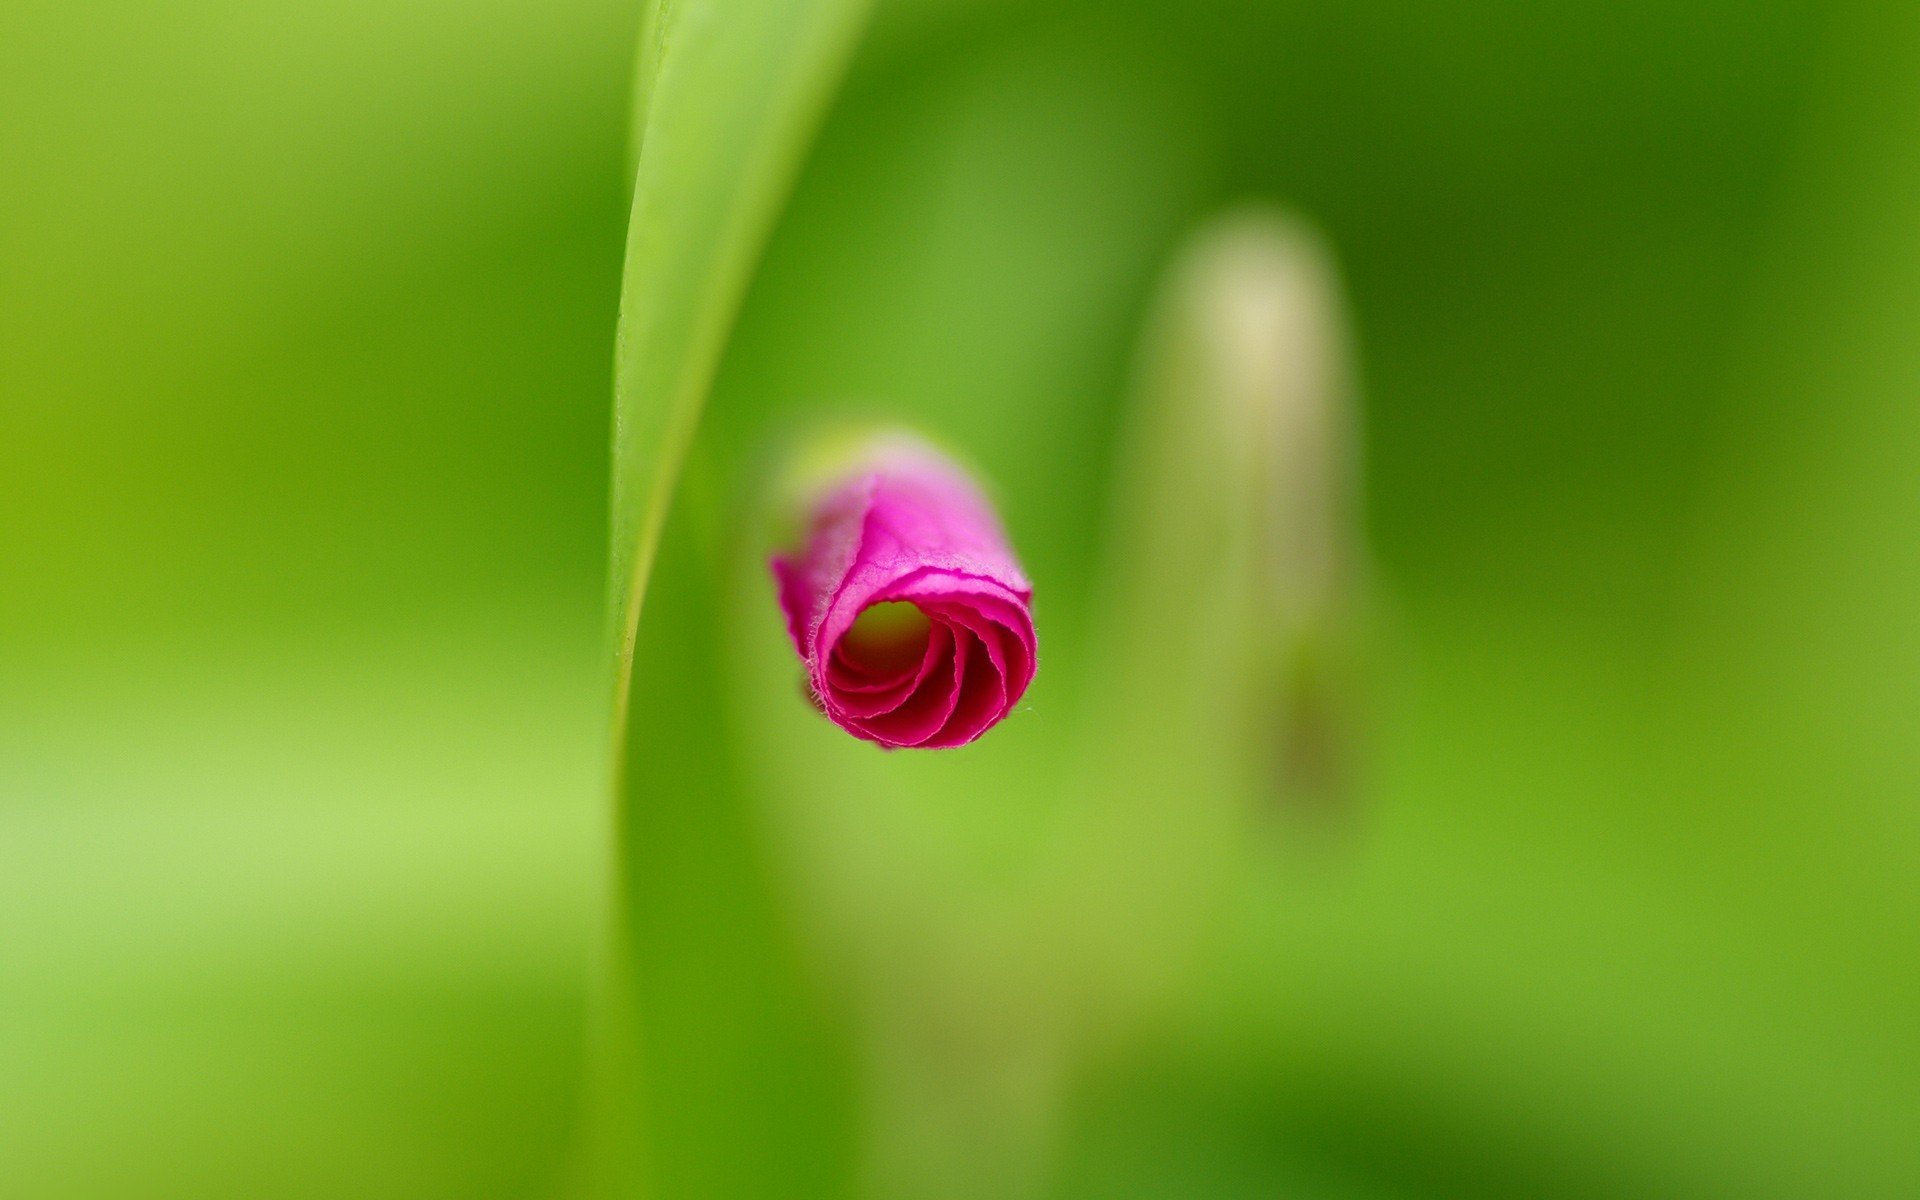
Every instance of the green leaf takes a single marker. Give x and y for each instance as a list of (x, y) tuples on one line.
[(715, 1072), (727, 99)]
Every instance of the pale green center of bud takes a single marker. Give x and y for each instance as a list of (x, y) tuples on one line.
[(887, 638)]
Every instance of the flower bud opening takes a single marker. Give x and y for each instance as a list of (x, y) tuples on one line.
[(905, 603)]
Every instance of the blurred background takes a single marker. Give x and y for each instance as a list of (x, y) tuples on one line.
[(306, 327)]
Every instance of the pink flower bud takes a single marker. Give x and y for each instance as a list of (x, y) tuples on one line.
[(906, 604)]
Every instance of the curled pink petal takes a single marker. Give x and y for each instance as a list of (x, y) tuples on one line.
[(906, 604)]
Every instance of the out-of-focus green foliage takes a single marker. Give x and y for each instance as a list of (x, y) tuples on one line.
[(306, 327)]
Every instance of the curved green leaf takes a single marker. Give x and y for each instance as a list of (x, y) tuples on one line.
[(728, 96), (711, 1073)]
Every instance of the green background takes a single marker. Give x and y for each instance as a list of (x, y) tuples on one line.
[(306, 333)]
